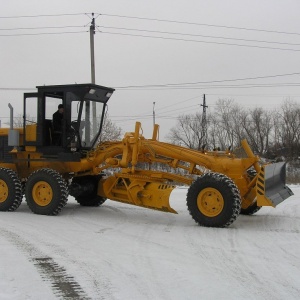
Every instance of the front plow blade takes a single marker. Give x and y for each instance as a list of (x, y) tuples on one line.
[(270, 185)]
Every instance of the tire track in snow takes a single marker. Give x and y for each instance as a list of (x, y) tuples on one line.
[(226, 260), (62, 284), (146, 242), (91, 216), (100, 284), (97, 284), (235, 262)]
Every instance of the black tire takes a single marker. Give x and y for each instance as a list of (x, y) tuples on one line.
[(95, 202), (10, 190), (214, 200), (89, 197), (250, 210), (23, 185), (253, 208), (46, 192)]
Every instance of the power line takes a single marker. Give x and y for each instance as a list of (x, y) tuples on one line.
[(197, 35), (183, 110), (249, 86), (151, 19), (198, 41), (151, 31), (43, 33), (206, 87), (148, 116), (242, 86), (192, 107), (256, 95), (174, 104), (16, 89), (201, 24), (211, 81), (187, 83), (37, 16), (179, 102), (194, 88), (132, 116), (44, 27)]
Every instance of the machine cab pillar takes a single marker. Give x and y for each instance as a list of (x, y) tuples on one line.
[(84, 107)]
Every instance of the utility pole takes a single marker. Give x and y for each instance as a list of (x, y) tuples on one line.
[(92, 46), (92, 33), (204, 123), (153, 114)]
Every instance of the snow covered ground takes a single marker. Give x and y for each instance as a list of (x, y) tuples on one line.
[(125, 252)]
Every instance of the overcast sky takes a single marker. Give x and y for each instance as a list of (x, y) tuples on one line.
[(211, 43)]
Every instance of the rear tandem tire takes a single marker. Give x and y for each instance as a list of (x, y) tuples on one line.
[(89, 197), (214, 200), (46, 192), (10, 190)]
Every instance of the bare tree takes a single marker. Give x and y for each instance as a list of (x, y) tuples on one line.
[(221, 127), (110, 131), (257, 124), (187, 132), (18, 120), (227, 118), (266, 131), (289, 127)]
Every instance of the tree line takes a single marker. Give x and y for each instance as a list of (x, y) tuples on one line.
[(270, 133)]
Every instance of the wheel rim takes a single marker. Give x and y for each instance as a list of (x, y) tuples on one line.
[(42, 193), (210, 202), (3, 191)]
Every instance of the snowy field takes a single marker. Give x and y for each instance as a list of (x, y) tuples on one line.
[(125, 252)]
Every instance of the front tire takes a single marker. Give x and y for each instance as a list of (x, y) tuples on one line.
[(10, 190), (214, 200), (46, 192)]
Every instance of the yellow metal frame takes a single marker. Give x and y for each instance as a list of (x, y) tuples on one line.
[(147, 188)]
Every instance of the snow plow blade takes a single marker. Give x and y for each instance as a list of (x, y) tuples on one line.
[(270, 185)]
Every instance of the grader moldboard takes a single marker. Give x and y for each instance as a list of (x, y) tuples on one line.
[(222, 184)]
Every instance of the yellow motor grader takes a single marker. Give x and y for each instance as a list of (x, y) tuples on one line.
[(46, 166)]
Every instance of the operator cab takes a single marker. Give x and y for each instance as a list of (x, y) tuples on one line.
[(84, 106)]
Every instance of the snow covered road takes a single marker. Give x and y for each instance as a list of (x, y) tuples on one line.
[(125, 252)]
